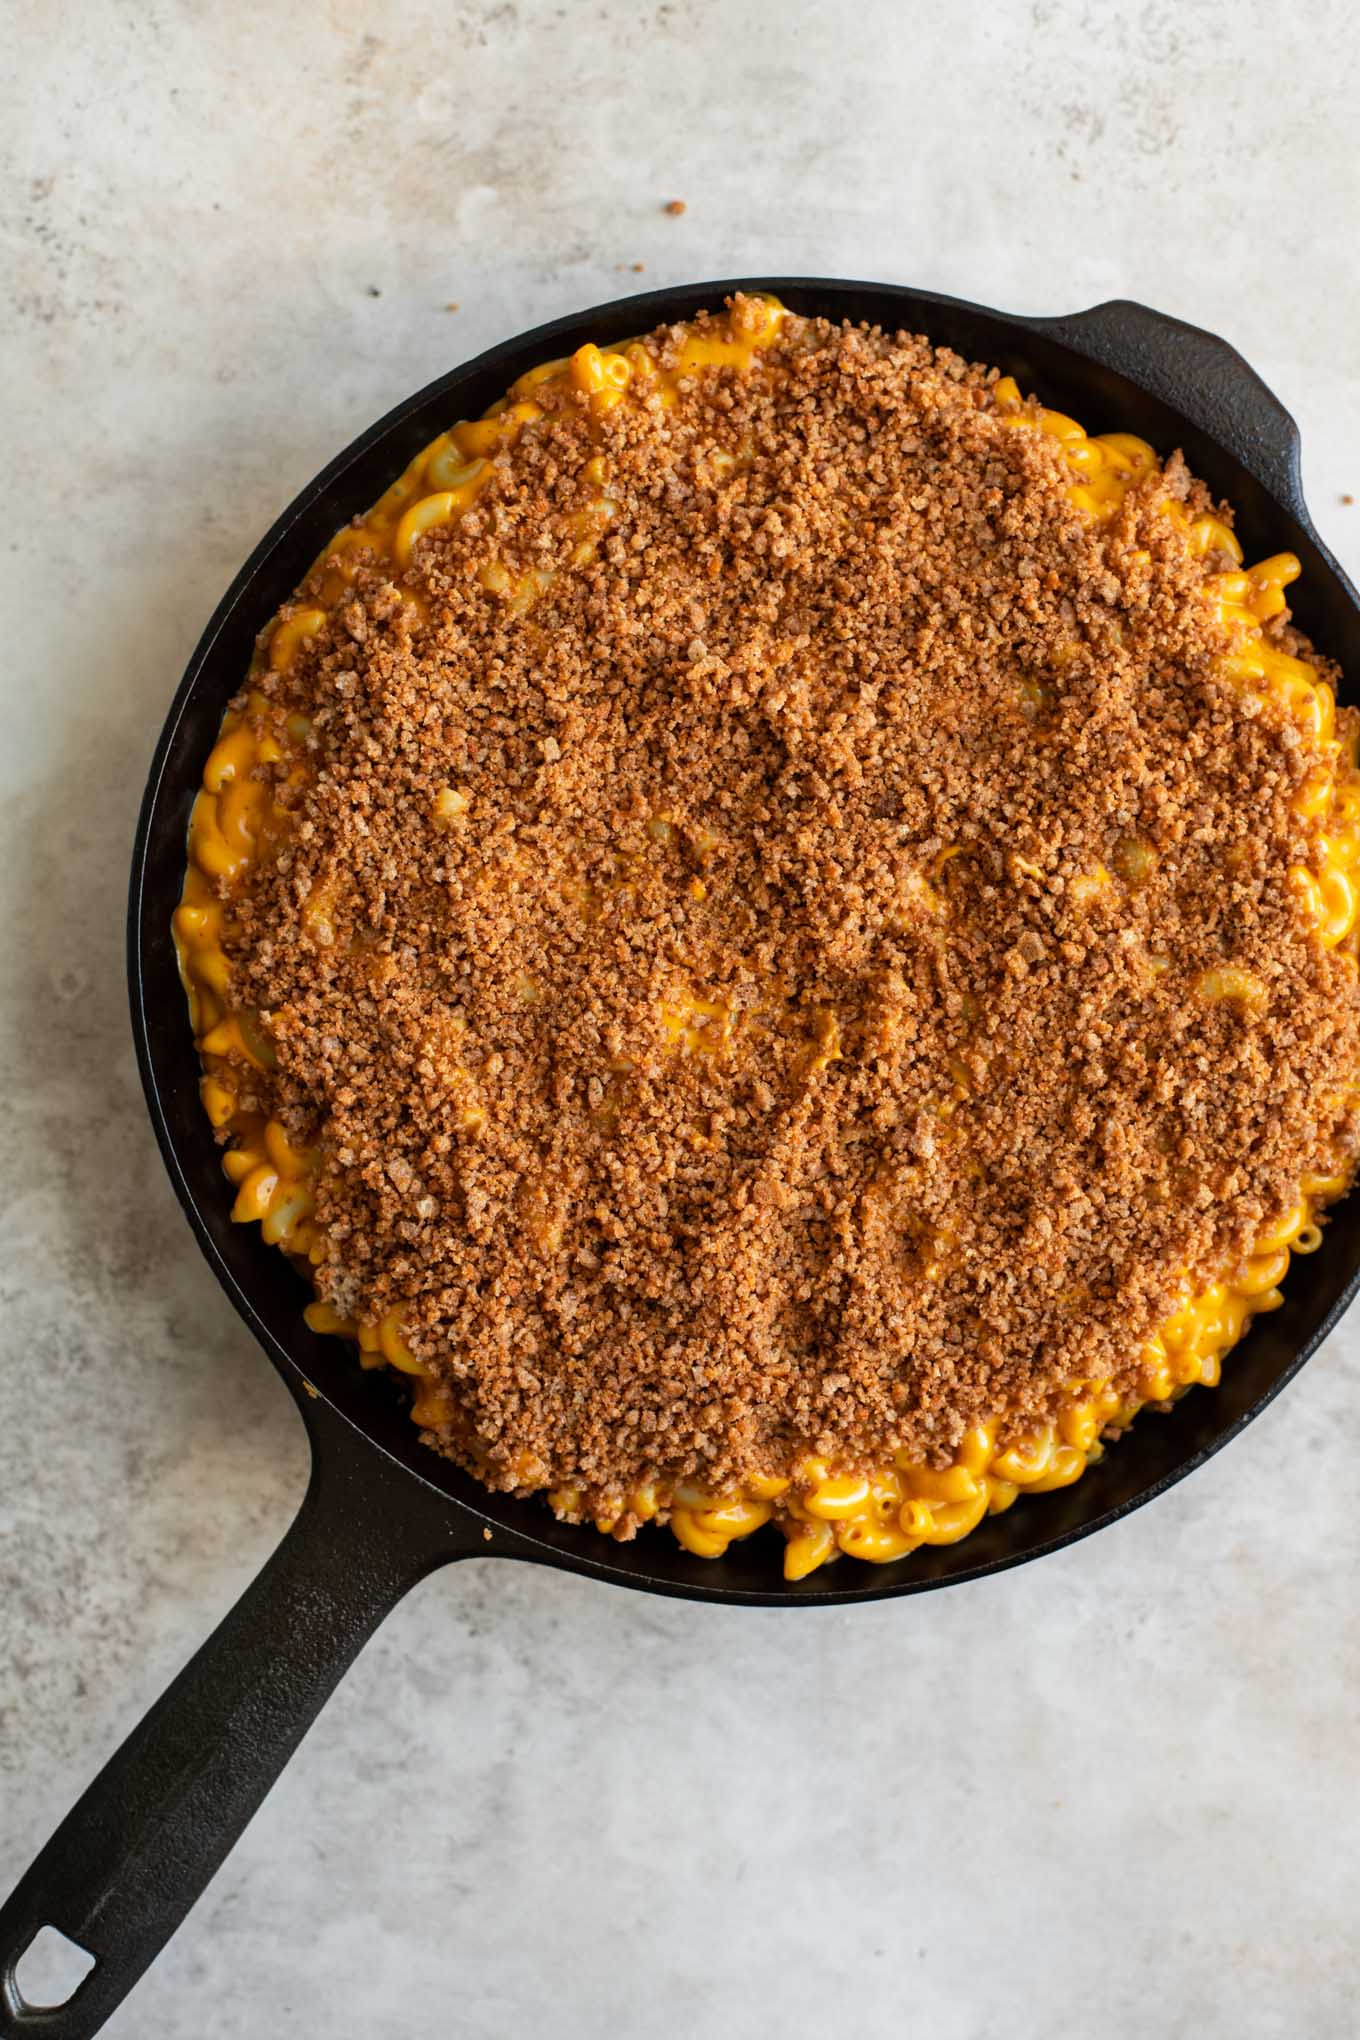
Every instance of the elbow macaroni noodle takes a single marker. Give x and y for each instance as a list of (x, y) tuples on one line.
[(886, 1512)]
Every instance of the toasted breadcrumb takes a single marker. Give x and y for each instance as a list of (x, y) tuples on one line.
[(788, 1040)]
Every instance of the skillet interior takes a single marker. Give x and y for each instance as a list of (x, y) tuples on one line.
[(1159, 1450)]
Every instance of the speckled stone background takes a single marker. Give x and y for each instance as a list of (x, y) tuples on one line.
[(1112, 1793)]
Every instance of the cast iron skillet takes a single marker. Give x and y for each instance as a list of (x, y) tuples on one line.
[(380, 1511)]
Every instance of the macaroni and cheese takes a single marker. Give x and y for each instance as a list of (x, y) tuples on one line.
[(775, 930)]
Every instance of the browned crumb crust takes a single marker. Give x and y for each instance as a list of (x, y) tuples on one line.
[(966, 1132)]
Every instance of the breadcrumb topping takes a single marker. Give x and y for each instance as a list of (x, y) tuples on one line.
[(752, 1000)]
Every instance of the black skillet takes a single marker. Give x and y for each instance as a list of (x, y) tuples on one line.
[(380, 1512)]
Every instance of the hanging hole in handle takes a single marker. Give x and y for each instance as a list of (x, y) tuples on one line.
[(51, 1970)]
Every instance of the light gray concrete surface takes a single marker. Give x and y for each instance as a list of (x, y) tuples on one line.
[(1112, 1793)]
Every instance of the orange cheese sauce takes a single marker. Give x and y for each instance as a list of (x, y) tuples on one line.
[(886, 1512)]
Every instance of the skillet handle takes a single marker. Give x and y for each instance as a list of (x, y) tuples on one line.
[(143, 1842), (1199, 375)]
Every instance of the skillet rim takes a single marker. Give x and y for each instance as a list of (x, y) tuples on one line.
[(526, 1529)]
